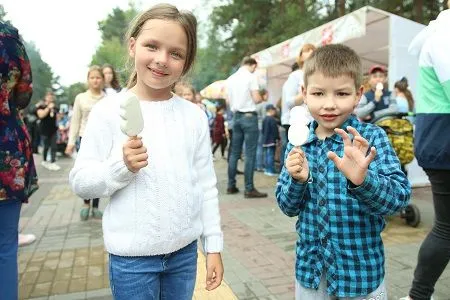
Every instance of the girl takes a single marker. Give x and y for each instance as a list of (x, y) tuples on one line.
[(162, 184), (189, 92), (81, 110), (112, 85), (219, 136), (404, 97)]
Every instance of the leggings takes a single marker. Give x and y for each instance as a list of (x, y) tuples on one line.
[(222, 144), (434, 253), (94, 201)]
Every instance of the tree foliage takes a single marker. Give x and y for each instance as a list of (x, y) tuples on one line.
[(112, 49), (72, 91), (41, 71)]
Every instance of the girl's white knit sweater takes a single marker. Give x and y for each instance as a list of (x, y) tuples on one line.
[(166, 205)]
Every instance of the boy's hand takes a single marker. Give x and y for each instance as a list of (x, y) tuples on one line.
[(214, 271), (297, 164), (354, 163), (135, 154)]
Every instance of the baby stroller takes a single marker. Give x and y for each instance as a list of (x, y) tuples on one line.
[(399, 130)]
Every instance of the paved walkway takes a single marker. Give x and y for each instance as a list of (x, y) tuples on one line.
[(68, 260)]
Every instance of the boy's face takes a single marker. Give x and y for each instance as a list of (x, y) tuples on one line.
[(272, 112), (376, 78), (330, 101)]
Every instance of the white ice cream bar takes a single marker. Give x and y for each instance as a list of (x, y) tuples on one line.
[(298, 114), (379, 86), (298, 134), (132, 121)]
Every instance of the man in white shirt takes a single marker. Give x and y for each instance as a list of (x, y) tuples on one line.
[(243, 95)]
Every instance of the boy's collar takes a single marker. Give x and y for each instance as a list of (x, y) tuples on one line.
[(351, 121)]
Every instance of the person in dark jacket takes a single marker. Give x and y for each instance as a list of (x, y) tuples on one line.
[(271, 136), (219, 136)]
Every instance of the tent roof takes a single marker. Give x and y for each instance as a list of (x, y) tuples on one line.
[(366, 30)]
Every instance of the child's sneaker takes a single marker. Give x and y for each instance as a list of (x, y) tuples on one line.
[(26, 239), (54, 167), (96, 213), (84, 213)]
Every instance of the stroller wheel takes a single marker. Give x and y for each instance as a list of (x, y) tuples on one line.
[(412, 215)]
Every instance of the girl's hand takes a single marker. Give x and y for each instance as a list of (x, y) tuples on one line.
[(297, 164), (214, 271), (135, 154), (354, 164)]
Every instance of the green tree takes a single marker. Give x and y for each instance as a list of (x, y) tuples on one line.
[(112, 52), (2, 13), (72, 91), (42, 73), (113, 48)]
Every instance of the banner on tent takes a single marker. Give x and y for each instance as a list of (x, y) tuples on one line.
[(337, 31)]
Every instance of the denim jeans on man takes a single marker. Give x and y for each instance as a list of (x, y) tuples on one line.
[(260, 159), (269, 153), (169, 277), (245, 128), (9, 223)]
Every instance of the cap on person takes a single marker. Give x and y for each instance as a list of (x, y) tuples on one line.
[(377, 68), (270, 106)]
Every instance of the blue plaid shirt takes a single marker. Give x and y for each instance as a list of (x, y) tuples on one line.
[(339, 224)]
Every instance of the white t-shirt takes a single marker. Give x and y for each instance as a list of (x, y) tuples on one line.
[(290, 90), (239, 88)]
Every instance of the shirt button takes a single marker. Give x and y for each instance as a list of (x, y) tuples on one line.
[(321, 169), (321, 203), (324, 241)]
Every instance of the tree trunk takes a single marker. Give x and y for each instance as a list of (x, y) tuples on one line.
[(302, 7), (341, 7), (418, 10)]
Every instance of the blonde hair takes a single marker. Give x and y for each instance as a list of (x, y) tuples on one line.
[(306, 47), (165, 12), (333, 61), (94, 68)]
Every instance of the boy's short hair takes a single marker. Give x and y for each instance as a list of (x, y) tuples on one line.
[(248, 61), (334, 60)]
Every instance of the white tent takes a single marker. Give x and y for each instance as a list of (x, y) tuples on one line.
[(377, 36)]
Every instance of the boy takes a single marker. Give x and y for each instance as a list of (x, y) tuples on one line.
[(340, 187), (270, 136), (377, 101)]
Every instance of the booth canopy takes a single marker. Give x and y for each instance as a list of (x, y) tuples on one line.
[(377, 36)]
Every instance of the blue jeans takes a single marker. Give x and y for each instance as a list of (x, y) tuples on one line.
[(260, 160), (245, 128), (9, 223), (270, 159), (167, 277)]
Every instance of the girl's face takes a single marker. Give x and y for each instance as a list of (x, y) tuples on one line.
[(159, 54), (95, 80), (109, 75), (188, 95)]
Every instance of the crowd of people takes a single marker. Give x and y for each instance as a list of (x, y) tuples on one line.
[(340, 183)]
